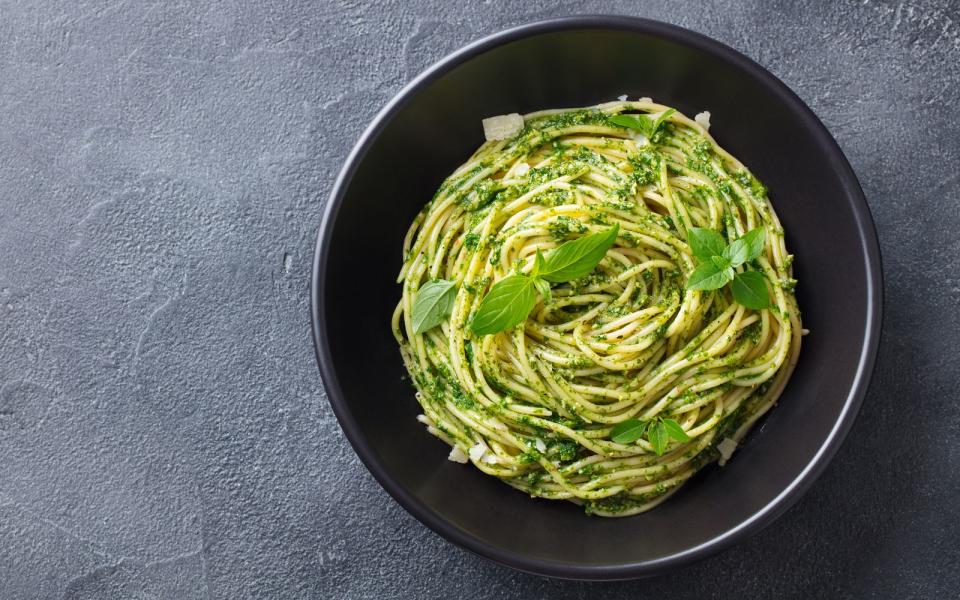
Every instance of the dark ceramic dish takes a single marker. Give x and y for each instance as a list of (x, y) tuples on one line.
[(432, 126)]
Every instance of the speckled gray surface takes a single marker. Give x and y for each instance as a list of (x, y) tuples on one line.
[(163, 429)]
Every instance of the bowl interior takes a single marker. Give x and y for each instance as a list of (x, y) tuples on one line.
[(433, 129)]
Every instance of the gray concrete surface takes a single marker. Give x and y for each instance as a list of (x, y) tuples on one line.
[(163, 429)]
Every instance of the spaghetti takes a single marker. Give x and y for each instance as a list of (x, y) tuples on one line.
[(538, 405)]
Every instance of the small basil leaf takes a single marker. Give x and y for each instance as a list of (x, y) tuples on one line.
[(721, 262), (537, 265), (638, 122), (750, 290), (747, 247), (628, 431), (756, 239), (708, 277), (433, 304), (506, 305), (705, 243), (576, 258), (646, 123), (543, 286), (736, 252), (675, 431), (657, 436), (661, 119)]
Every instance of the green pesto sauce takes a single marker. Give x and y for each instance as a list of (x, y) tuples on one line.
[(599, 185)]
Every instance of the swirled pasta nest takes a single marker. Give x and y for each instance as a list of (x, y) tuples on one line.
[(536, 405)]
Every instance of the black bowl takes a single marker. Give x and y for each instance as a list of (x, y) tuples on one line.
[(432, 126)]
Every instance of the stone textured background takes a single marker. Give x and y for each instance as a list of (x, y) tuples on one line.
[(163, 429)]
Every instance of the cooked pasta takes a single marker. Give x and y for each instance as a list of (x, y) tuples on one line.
[(628, 351)]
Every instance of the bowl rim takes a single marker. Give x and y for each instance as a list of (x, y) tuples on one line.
[(792, 492)]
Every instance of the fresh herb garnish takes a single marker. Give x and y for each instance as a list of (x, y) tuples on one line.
[(506, 305), (512, 298), (648, 124), (628, 431), (705, 243), (576, 258), (745, 248), (657, 436), (750, 289), (718, 261), (659, 432), (433, 304), (674, 430)]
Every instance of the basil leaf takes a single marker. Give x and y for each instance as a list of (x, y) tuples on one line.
[(543, 286), (747, 247), (709, 277), (756, 240), (675, 431), (537, 264), (638, 122), (628, 431), (750, 290), (507, 304), (661, 119), (647, 123), (721, 262), (705, 243), (657, 436), (576, 258), (433, 304)]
